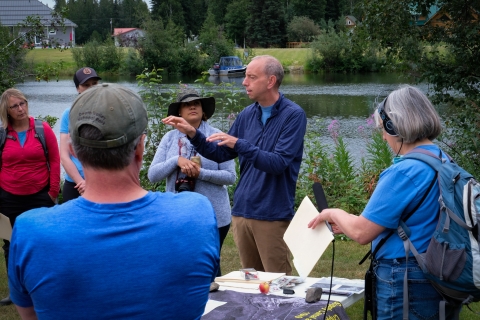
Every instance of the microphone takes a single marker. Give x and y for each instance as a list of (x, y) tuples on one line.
[(321, 200)]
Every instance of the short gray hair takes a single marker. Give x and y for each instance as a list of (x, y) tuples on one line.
[(110, 159), (272, 67), (412, 114)]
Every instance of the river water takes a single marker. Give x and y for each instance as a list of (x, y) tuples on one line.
[(343, 97)]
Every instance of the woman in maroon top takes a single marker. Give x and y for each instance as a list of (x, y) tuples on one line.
[(26, 181)]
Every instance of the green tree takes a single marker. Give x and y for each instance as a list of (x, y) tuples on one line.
[(108, 13), (302, 29), (314, 10), (132, 13), (236, 20), (161, 46), (59, 4), (219, 10), (445, 56), (168, 10), (193, 20), (83, 13), (334, 9), (13, 49), (11, 61), (266, 26), (214, 43)]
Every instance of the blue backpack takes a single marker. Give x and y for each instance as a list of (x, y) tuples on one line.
[(452, 260)]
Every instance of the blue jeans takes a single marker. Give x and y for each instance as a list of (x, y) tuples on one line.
[(423, 298)]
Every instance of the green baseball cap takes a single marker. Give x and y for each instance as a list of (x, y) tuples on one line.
[(118, 112)]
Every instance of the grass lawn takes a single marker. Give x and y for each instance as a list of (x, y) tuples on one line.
[(38, 56), (347, 256), (288, 57)]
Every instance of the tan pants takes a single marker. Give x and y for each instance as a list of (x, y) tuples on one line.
[(260, 244)]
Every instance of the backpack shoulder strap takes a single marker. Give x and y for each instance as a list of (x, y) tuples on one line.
[(40, 134), (383, 240), (3, 137), (427, 157)]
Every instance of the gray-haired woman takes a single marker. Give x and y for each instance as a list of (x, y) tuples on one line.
[(408, 121), (173, 159)]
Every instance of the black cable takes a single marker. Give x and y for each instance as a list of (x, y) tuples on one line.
[(321, 201), (331, 279)]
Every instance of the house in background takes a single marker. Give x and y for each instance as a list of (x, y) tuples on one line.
[(441, 18), (350, 21), (420, 19), (127, 37), (13, 12)]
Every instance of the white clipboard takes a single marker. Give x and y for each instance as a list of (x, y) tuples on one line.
[(5, 228), (307, 245)]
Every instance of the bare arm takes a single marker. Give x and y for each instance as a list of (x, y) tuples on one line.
[(68, 164), (356, 228), (26, 313), (181, 125)]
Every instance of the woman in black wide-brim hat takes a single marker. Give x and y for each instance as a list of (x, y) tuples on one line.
[(173, 159)]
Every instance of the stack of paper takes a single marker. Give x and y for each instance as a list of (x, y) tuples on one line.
[(236, 276)]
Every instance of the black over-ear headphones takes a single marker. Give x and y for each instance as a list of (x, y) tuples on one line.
[(387, 122)]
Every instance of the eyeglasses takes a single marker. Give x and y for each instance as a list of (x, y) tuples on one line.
[(21, 104), (387, 122)]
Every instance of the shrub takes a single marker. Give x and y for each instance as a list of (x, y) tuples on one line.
[(133, 63), (162, 46), (302, 29), (149, 81), (111, 56), (344, 51), (345, 186)]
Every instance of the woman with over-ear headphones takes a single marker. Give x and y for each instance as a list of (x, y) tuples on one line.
[(408, 121)]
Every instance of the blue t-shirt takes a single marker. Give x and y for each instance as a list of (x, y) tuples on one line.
[(64, 128), (22, 136), (266, 113), (149, 258), (400, 188)]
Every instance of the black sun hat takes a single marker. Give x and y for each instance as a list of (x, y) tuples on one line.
[(187, 95)]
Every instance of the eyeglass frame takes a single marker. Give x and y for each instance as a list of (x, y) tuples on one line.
[(386, 121), (15, 107)]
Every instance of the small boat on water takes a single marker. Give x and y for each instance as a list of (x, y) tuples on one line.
[(231, 66)]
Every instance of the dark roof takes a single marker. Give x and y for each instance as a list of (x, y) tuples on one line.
[(352, 18), (13, 12), (421, 20)]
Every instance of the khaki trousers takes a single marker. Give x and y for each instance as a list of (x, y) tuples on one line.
[(260, 244)]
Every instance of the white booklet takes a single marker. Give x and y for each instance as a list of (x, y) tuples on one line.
[(307, 245), (5, 228), (340, 286), (237, 276)]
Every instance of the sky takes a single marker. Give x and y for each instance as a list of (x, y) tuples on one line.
[(51, 3)]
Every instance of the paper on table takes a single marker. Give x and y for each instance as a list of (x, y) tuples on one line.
[(5, 228), (236, 276), (212, 304), (307, 245)]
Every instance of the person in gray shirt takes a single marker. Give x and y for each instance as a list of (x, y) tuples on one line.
[(173, 160)]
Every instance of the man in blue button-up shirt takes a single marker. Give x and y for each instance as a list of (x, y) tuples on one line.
[(267, 137)]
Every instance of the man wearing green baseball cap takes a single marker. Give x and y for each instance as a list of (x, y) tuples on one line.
[(115, 252)]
